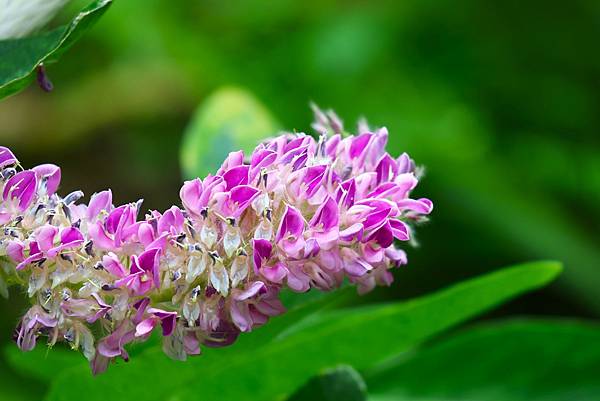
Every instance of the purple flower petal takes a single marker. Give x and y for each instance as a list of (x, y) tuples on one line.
[(423, 205), (101, 201), (236, 176), (48, 174), (168, 320), (261, 252), (145, 327), (291, 228), (21, 186), (112, 265), (149, 261), (45, 237), (399, 230), (252, 290), (14, 250), (359, 145), (352, 233), (7, 158), (190, 196)]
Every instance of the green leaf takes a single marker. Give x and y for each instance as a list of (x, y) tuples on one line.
[(231, 119), (359, 337), (20, 57), (43, 363), (508, 361), (341, 383)]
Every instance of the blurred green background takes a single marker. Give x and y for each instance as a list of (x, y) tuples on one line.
[(500, 100)]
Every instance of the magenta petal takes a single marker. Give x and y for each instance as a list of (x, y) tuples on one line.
[(352, 233), (274, 274), (70, 234), (400, 230), (113, 219), (149, 262), (167, 320), (372, 253), (376, 219), (252, 290), (240, 316), (270, 307), (145, 326), (327, 215), (112, 265), (260, 159), (331, 146), (292, 247), (236, 176), (346, 193), (243, 194), (396, 256), (146, 233), (386, 169), (314, 178), (14, 250), (99, 236), (112, 345), (384, 236), (292, 224), (297, 280), (140, 305), (261, 250), (7, 158), (311, 248), (233, 159), (21, 186), (45, 237), (171, 221), (101, 201), (405, 164), (357, 267), (359, 144), (50, 174), (424, 206), (190, 196)]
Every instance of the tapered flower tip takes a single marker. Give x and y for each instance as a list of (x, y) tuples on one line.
[(7, 158), (21, 186), (101, 201), (190, 196), (49, 176)]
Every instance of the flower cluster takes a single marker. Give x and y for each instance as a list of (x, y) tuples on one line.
[(297, 213)]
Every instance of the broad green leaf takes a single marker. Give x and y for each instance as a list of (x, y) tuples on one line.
[(518, 360), (20, 57), (231, 119), (359, 337), (43, 363), (16, 387), (536, 224), (340, 383)]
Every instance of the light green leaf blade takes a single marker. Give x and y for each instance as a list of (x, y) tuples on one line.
[(517, 360), (20, 57), (358, 337), (231, 119)]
